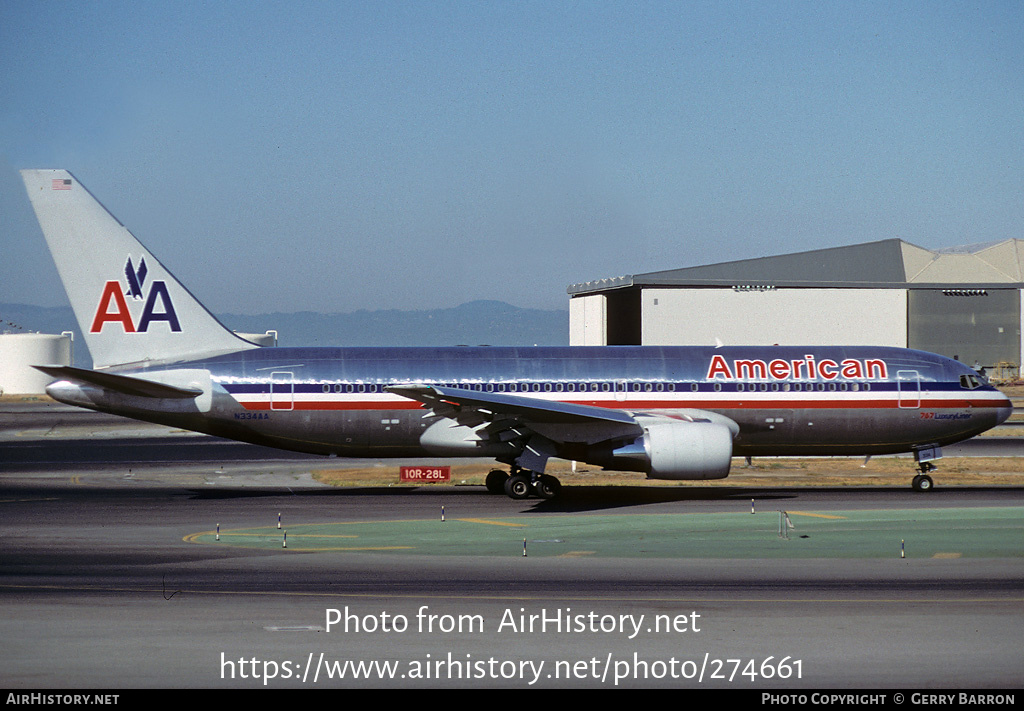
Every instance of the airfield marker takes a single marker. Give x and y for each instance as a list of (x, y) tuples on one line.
[(218, 531), (442, 513), (284, 541), (524, 547), (278, 521)]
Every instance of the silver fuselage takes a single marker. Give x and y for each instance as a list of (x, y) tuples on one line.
[(786, 400)]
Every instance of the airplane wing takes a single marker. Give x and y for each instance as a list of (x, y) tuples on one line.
[(452, 400), (531, 428)]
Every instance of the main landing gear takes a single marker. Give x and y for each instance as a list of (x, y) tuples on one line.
[(522, 483)]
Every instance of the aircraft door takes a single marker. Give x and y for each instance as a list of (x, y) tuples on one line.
[(282, 390), (908, 382)]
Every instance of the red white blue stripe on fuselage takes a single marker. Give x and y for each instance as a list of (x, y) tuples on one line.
[(259, 396)]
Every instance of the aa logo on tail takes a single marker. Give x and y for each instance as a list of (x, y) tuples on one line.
[(113, 306)]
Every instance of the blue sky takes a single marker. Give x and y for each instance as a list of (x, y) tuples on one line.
[(333, 156)]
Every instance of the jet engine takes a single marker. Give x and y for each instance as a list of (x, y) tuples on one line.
[(673, 449)]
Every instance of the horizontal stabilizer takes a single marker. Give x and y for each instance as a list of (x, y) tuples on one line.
[(119, 383)]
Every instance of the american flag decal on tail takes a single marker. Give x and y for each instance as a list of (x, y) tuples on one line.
[(61, 184)]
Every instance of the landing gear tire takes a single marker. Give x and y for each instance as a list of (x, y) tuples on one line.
[(518, 486), (547, 487), (495, 481), (922, 482)]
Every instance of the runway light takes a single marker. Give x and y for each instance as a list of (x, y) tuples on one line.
[(751, 506), (442, 513), (903, 552), (524, 547), (284, 541), (218, 531), (279, 522)]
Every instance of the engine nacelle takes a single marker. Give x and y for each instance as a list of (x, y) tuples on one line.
[(678, 450)]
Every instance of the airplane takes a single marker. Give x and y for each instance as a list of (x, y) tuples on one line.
[(673, 413)]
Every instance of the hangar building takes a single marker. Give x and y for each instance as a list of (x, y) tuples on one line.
[(962, 302)]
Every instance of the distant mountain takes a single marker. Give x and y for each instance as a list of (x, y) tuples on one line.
[(482, 322), (22, 318), (492, 323)]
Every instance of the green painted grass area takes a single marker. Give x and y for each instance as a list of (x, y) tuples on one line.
[(928, 533)]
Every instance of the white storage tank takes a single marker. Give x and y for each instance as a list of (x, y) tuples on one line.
[(20, 351)]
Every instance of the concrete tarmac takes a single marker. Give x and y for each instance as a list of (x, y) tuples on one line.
[(109, 578)]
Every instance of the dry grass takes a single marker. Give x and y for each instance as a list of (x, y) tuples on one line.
[(885, 471)]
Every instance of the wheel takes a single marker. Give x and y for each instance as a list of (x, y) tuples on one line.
[(518, 486), (922, 482), (495, 481), (547, 487)]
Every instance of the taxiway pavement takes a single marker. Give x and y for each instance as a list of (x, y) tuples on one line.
[(104, 583)]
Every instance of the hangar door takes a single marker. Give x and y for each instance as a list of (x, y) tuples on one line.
[(972, 325)]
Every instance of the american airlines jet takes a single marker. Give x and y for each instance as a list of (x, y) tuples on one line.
[(671, 412)]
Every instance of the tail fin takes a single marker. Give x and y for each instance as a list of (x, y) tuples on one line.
[(129, 307)]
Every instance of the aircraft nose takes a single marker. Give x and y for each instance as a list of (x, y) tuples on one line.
[(1003, 412)]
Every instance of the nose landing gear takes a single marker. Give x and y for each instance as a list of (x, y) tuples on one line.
[(924, 456), (923, 482)]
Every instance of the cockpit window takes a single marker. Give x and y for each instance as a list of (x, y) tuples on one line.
[(969, 382)]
